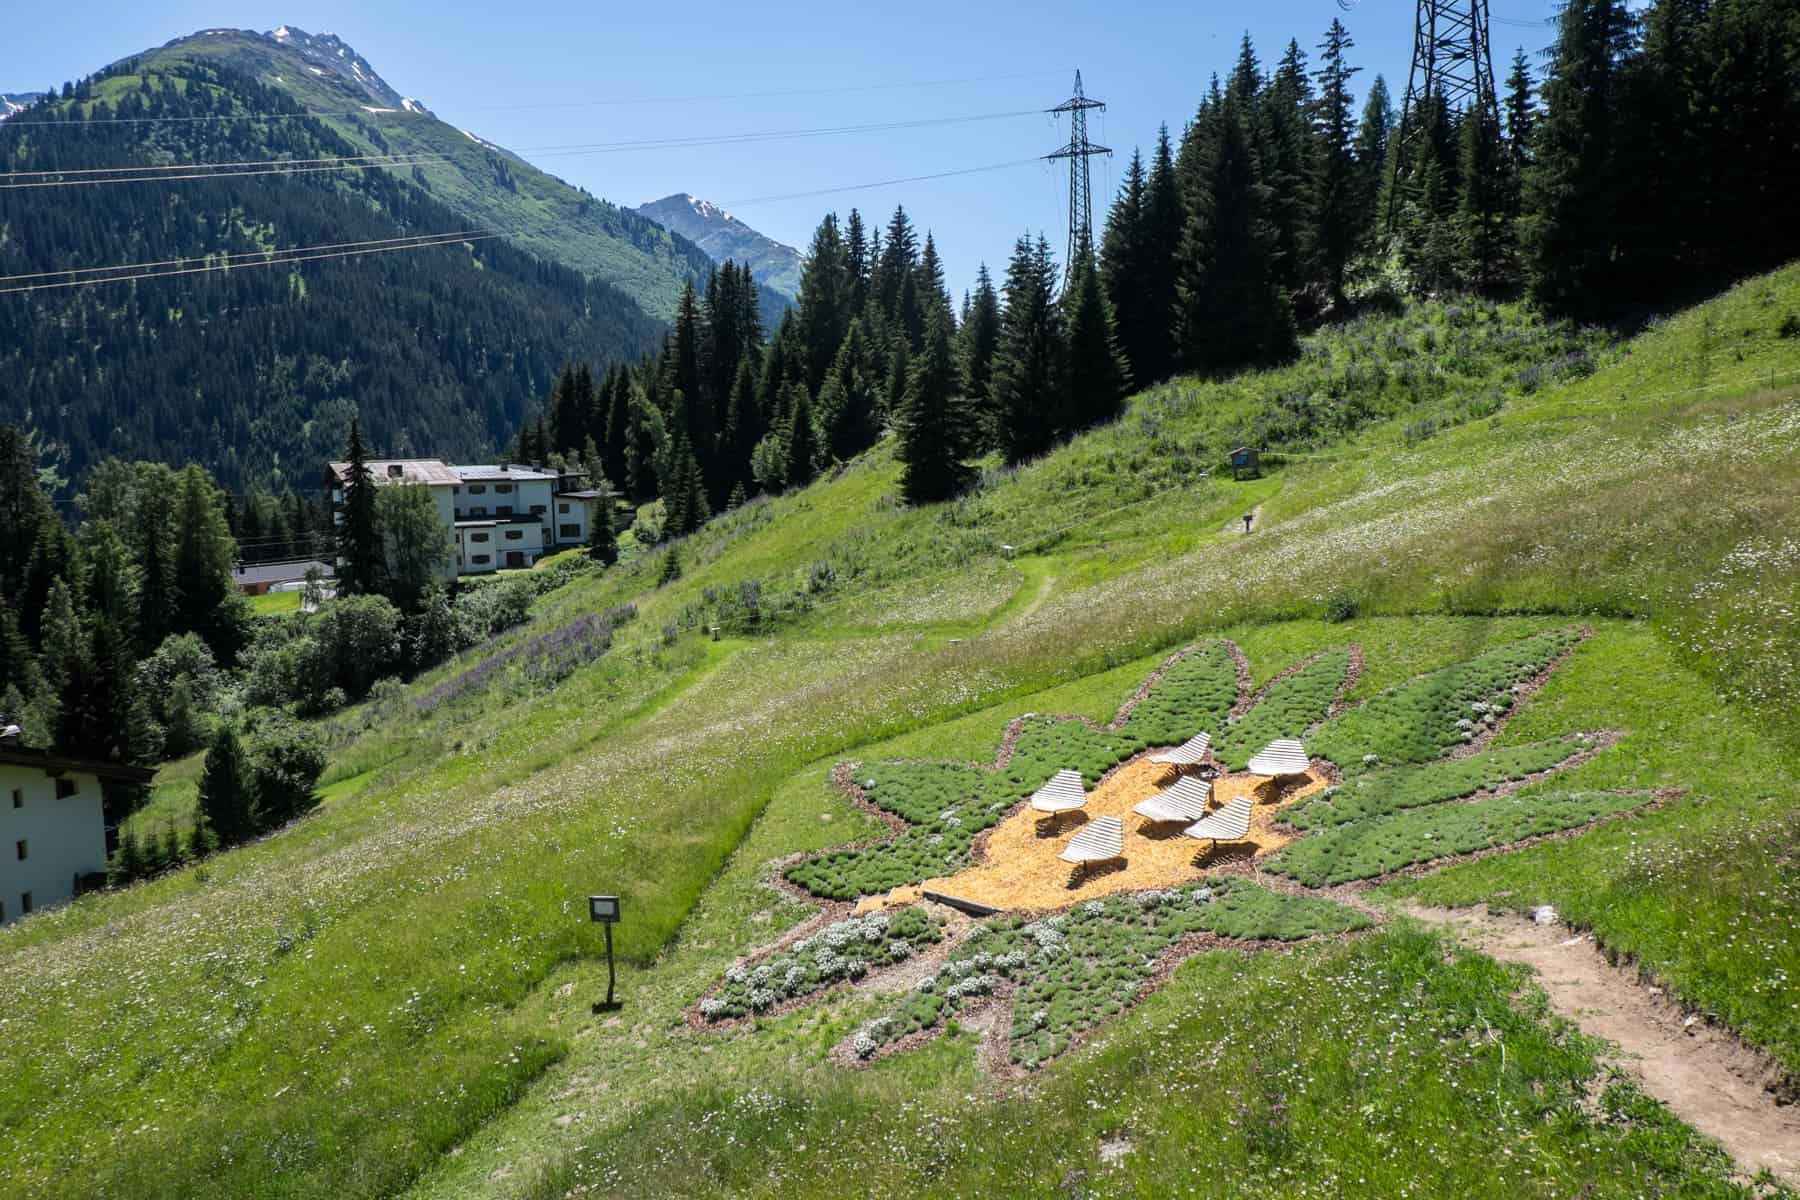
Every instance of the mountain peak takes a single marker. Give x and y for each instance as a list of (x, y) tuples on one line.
[(327, 53), (725, 238)]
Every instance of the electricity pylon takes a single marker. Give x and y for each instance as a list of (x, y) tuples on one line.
[(1078, 151), (1451, 61)]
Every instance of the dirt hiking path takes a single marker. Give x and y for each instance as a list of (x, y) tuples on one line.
[(1705, 1075)]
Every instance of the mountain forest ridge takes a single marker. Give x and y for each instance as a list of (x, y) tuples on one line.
[(466, 387)]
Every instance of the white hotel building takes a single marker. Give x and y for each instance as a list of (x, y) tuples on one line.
[(499, 516), (54, 839)]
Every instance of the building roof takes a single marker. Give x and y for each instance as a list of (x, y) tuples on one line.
[(504, 472), (281, 572), (57, 764), (585, 494), (411, 470), (478, 523)]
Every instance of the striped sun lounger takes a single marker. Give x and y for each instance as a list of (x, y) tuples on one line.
[(1229, 824), (1063, 793), (1184, 802), (1101, 839), (1189, 754), (1283, 757)]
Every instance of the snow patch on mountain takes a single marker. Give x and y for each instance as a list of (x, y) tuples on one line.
[(727, 239), (328, 54), (13, 103)]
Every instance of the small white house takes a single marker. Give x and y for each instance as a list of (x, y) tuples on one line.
[(53, 834)]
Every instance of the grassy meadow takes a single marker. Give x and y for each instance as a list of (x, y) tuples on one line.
[(393, 994)]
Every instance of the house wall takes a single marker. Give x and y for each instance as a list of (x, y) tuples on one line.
[(568, 512), (64, 838)]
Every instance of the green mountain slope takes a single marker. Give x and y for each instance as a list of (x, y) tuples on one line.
[(256, 372), (483, 184), (395, 993)]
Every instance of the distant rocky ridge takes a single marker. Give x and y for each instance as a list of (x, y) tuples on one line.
[(13, 103), (725, 238)]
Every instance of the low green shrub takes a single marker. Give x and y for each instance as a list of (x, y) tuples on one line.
[(1288, 709), (840, 951), (1367, 848), (1077, 968), (1418, 721), (1378, 793), (1194, 696)]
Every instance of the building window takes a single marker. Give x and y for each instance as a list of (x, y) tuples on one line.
[(503, 487), (477, 489), (23, 848), (65, 788), (24, 903), (18, 797), (515, 535), (562, 508), (538, 510), (481, 560), (503, 510), (570, 531), (478, 537)]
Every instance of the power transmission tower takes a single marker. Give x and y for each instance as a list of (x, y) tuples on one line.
[(1078, 151), (1450, 61)]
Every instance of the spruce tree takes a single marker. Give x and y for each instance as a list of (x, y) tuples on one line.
[(1484, 227), (1028, 368), (934, 297), (127, 863), (681, 378), (1337, 212), (1284, 152), (1164, 218), (1231, 308), (934, 431), (671, 567), (1372, 167), (1097, 375), (1572, 191), (980, 338), (824, 302), (1123, 252), (745, 425), (225, 800), (361, 565), (1520, 110), (802, 464)]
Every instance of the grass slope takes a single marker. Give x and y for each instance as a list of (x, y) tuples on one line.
[(330, 1011)]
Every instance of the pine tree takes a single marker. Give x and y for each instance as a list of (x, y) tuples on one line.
[(603, 539), (1372, 167), (745, 426), (1573, 194), (1097, 375), (1520, 111), (172, 853), (359, 536), (617, 434), (934, 430), (824, 303), (802, 464), (934, 297), (1164, 218), (856, 255), (1284, 153), (225, 800), (681, 378), (671, 567), (849, 399), (127, 862), (1484, 228), (1337, 212), (980, 337), (1124, 250), (1028, 367), (1231, 308)]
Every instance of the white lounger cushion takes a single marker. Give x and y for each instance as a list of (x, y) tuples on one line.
[(1189, 753), (1184, 802), (1062, 794), (1229, 824), (1100, 839), (1284, 757)]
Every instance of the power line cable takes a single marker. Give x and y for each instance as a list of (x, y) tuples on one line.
[(237, 260), (158, 173), (367, 111)]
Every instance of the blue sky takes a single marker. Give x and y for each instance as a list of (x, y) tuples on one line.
[(469, 62)]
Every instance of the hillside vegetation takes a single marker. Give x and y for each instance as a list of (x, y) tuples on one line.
[(394, 992)]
